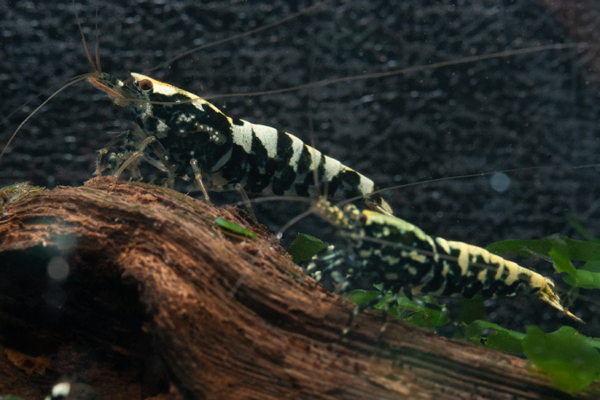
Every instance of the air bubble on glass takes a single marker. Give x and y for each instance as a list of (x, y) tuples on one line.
[(58, 269), (500, 182)]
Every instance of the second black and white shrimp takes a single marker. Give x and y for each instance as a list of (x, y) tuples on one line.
[(386, 250)]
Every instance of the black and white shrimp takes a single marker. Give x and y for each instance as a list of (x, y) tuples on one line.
[(186, 136), (387, 250)]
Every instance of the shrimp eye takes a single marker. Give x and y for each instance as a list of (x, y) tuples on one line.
[(146, 85)]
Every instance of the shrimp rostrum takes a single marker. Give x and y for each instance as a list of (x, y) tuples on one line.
[(387, 250)]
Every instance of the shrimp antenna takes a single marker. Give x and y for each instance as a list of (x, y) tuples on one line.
[(95, 67), (466, 176), (97, 49), (376, 75), (294, 220), (72, 82), (241, 35)]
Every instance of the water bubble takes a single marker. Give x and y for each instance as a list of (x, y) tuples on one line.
[(500, 182), (58, 269)]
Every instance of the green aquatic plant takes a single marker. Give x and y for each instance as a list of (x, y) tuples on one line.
[(305, 247), (235, 229)]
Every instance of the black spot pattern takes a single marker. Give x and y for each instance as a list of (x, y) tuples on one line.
[(369, 262), (350, 180), (261, 168), (285, 152), (234, 170), (183, 135), (305, 161), (237, 121)]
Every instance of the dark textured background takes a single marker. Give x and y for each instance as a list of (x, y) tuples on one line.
[(504, 113)]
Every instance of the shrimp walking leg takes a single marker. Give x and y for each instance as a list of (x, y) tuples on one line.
[(101, 161), (198, 179), (240, 188), (134, 156)]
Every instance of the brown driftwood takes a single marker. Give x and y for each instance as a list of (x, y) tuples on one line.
[(160, 303)]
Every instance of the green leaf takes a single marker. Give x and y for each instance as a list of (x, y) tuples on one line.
[(562, 262), (305, 247), (235, 228), (588, 277), (567, 331), (419, 314), (570, 361), (500, 339), (404, 309), (471, 309), (10, 397), (579, 250), (592, 266), (581, 230), (363, 297), (584, 279)]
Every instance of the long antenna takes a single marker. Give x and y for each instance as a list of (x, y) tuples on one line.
[(375, 75), (241, 35), (95, 67), (97, 49), (74, 81)]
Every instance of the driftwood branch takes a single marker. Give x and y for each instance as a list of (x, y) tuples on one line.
[(160, 303)]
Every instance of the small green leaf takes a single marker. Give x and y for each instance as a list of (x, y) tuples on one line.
[(579, 250), (525, 248), (10, 397), (581, 230), (567, 332), (407, 310), (305, 247), (363, 297), (585, 279), (235, 228), (592, 266), (571, 362), (588, 277), (562, 262), (471, 309), (500, 339), (422, 315)]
